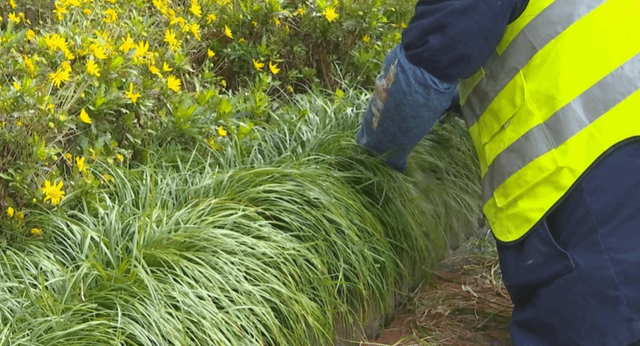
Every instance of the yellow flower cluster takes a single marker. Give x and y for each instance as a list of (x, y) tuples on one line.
[(93, 64), (56, 42)]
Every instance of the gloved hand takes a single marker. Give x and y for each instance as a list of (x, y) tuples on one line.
[(406, 103)]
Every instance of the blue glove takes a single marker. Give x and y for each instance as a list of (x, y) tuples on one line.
[(407, 102)]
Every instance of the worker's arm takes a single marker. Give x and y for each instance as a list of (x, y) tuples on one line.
[(445, 41)]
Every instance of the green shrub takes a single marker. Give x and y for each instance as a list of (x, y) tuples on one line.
[(107, 82)]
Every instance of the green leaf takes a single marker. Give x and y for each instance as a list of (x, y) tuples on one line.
[(116, 62), (224, 107)]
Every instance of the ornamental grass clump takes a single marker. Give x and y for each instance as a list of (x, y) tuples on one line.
[(297, 238), (177, 175)]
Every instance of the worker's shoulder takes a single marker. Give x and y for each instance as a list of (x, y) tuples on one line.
[(520, 6)]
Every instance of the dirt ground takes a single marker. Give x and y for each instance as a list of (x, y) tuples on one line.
[(465, 304)]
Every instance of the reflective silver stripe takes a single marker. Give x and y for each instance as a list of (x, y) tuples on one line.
[(564, 124), (542, 29)]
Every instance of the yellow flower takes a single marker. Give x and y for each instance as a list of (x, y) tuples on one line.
[(178, 20), (223, 83), (92, 68), (53, 193), (60, 11), (173, 83), (108, 178), (14, 18), (10, 212), (131, 95), (29, 66), (211, 18), (16, 86), (171, 14), (86, 11), (61, 75), (212, 143), (13, 4), (81, 165), (68, 55), (84, 117), (227, 32), (170, 38), (127, 44), (290, 88), (30, 35), (93, 154), (120, 158), (330, 14), (210, 53), (274, 68), (36, 232), (366, 39), (276, 21), (110, 16), (55, 41), (154, 70), (141, 51), (195, 8), (69, 158), (222, 132), (301, 11), (186, 27), (195, 30), (258, 65), (166, 68), (98, 51), (160, 4)]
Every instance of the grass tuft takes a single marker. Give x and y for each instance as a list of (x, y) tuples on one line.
[(291, 240)]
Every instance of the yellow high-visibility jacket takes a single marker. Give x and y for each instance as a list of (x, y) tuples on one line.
[(561, 89)]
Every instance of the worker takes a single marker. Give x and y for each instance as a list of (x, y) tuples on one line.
[(549, 90)]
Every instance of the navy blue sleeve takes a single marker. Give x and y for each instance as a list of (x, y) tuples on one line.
[(451, 39)]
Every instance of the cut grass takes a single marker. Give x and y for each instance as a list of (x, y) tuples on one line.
[(465, 303), (292, 240)]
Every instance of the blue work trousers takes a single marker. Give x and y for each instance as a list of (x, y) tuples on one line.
[(575, 278)]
